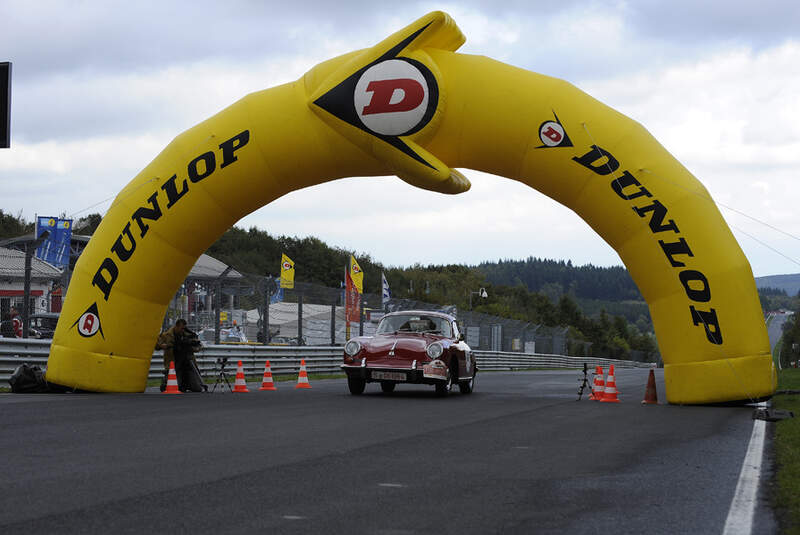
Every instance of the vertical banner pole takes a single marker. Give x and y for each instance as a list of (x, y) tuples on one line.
[(346, 307), (5, 105)]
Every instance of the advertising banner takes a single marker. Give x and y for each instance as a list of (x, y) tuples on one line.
[(55, 249), (356, 274), (353, 302), (287, 272)]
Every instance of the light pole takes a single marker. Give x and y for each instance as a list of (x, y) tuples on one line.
[(480, 293)]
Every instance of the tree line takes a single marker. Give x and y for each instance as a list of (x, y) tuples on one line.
[(614, 326), (611, 334)]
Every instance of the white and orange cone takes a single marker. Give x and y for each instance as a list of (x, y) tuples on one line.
[(267, 383), (172, 381), (599, 384), (650, 394), (610, 392), (302, 379), (240, 386)]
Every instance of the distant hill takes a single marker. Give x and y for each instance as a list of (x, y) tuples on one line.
[(560, 277), (789, 283)]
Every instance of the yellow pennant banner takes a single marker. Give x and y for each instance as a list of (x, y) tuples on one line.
[(287, 272), (356, 275)]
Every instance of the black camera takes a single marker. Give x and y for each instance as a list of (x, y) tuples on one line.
[(188, 342)]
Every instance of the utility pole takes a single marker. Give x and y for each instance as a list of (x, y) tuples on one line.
[(30, 247)]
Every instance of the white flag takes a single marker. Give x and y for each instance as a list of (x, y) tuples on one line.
[(387, 294)]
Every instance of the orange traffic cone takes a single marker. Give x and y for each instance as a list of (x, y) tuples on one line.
[(302, 379), (240, 385), (599, 384), (266, 383), (172, 381), (610, 392), (650, 394)]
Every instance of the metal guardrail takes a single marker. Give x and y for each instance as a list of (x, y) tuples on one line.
[(285, 360), (502, 360)]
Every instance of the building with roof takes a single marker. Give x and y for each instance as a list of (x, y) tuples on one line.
[(12, 282), (193, 300)]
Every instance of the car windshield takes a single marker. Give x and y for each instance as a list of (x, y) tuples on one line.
[(415, 323)]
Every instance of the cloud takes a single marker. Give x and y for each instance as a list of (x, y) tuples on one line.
[(733, 119), (101, 88), (764, 24)]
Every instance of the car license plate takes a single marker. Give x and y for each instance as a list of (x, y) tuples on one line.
[(389, 376), (434, 372)]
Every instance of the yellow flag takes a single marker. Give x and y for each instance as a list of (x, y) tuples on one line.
[(287, 272), (356, 275)]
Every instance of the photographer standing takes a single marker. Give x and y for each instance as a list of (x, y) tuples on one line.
[(179, 345)]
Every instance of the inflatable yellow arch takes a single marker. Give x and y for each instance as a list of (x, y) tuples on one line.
[(412, 107)]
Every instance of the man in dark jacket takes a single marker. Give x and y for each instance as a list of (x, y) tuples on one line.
[(179, 344), (166, 341)]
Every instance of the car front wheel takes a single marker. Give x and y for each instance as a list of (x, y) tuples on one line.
[(443, 388), (466, 387), (356, 385)]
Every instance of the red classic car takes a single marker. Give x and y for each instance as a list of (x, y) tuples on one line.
[(413, 346)]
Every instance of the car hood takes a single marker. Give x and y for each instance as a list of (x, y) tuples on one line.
[(409, 346)]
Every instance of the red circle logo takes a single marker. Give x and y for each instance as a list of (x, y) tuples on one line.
[(88, 324), (392, 98)]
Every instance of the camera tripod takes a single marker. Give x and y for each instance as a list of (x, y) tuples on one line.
[(222, 376), (584, 382)]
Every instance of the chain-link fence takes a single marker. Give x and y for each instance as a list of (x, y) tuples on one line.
[(222, 304), (254, 309)]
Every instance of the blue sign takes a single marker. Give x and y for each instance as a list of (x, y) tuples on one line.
[(55, 249)]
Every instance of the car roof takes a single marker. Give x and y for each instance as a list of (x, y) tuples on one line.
[(422, 312)]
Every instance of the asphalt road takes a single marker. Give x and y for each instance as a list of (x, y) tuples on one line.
[(520, 455), (775, 329)]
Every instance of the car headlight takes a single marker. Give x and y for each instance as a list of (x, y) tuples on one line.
[(435, 350), (352, 348)]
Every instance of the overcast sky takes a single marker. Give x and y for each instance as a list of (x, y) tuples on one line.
[(99, 88)]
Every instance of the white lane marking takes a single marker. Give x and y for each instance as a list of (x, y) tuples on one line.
[(740, 515), (391, 485), (293, 517)]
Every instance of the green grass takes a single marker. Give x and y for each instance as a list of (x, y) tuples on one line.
[(787, 453)]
